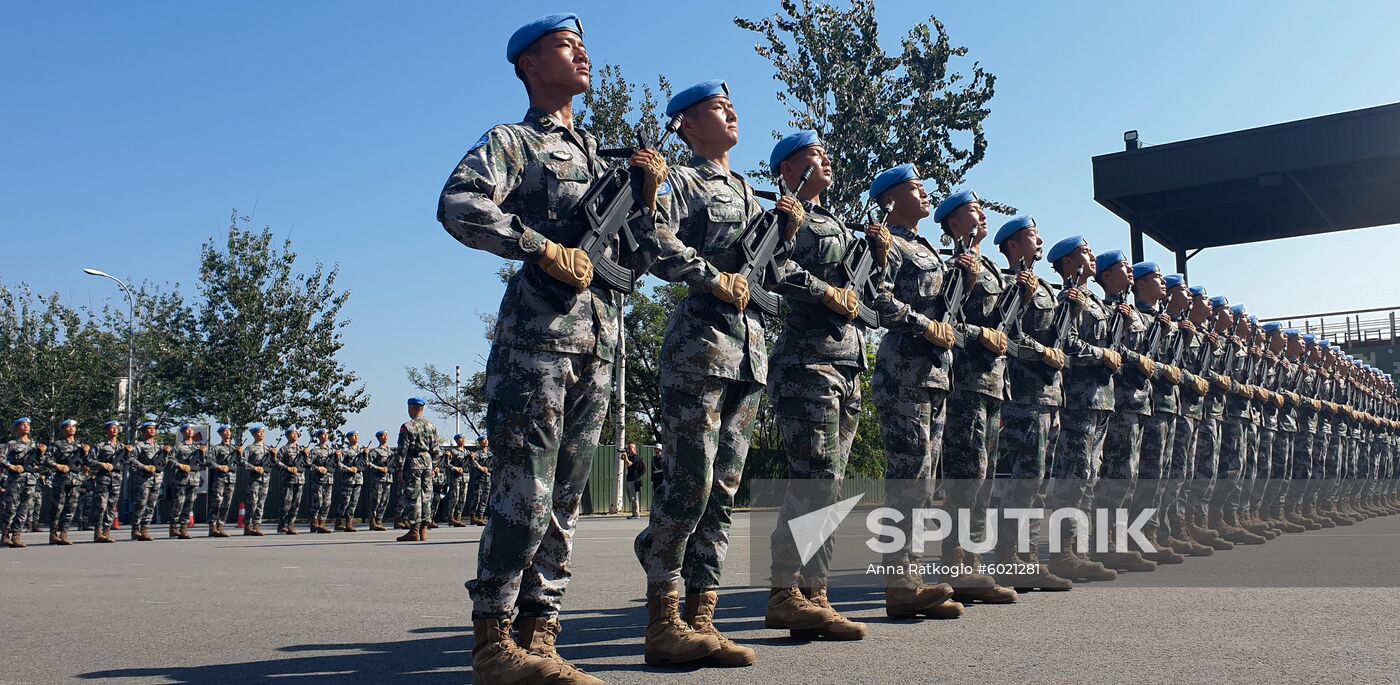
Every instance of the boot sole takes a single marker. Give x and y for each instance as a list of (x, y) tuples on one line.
[(658, 660)]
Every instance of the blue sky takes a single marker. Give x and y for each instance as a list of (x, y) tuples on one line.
[(131, 129)]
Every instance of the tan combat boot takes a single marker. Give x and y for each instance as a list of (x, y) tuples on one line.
[(670, 640), (377, 525), (423, 531), (1040, 578), (909, 597), (1070, 565), (410, 536), (538, 636), (498, 660), (55, 538), (17, 541), (971, 585), (350, 525), (788, 609), (63, 538), (840, 627), (700, 614)]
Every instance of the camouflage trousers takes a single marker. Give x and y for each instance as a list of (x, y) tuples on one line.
[(439, 493), (478, 493), (418, 493), (220, 497), (1181, 468), (1154, 466), (182, 502), (970, 453), (1280, 452), (911, 428), (1335, 469), (544, 413), (1027, 436), (106, 494), (1301, 467), (1122, 450), (18, 501), (257, 499), (145, 492), (457, 494), (65, 502), (381, 486), (291, 501), (818, 408), (1255, 476), (707, 423), (1079, 453), (1229, 472), (349, 499), (1207, 461)]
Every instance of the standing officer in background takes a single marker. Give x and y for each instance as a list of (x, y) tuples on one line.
[(66, 459), (1027, 434), (184, 468), (258, 460), (515, 194), (352, 463), (105, 463), (322, 463), (292, 460), (419, 451), (224, 459), (21, 459), (459, 462), (479, 487), (380, 462), (147, 461)]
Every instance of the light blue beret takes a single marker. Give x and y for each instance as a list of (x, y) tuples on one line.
[(380, 434), (1272, 326), (350, 433), (1108, 260), (1197, 291), (289, 431), (109, 424), (223, 428), (148, 424), (19, 421), (1063, 248), (458, 436), (1291, 332), (1237, 310), (255, 429), (1012, 227), (954, 201), (182, 427), (1254, 319), (1219, 301), (67, 422), (416, 401), (1142, 269), (701, 91), (533, 31), (1325, 344), (790, 144), (1174, 280), (1309, 339), (890, 178)]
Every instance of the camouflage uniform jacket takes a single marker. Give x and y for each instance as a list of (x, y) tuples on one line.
[(223, 454), (1164, 393), (186, 454), (1088, 383), (812, 333), (975, 368), (1033, 381), (68, 453), (1190, 404), (914, 275), (25, 454), (356, 457), (1289, 376), (293, 456), (255, 455), (382, 456), (107, 452), (1132, 391), (519, 185), (322, 457), (418, 445), (147, 453)]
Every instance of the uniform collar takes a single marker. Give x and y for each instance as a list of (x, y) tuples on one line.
[(541, 120)]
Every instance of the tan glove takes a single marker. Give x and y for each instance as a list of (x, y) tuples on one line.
[(259, 470), (1053, 357), (1173, 374), (1200, 386), (879, 239), (1246, 391), (150, 468), (797, 215), (1316, 405), (321, 470), (291, 469), (1112, 360), (184, 468), (653, 167), (940, 334), (354, 469), (1224, 383), (994, 340), (568, 264), (16, 468), (43, 448), (1146, 366), (61, 468), (223, 469), (1278, 399), (843, 301), (734, 289)]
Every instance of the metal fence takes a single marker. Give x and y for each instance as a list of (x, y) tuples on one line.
[(1356, 326)]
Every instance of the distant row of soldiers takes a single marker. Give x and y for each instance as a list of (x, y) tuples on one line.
[(87, 477)]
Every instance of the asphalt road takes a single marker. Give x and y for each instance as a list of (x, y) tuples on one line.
[(360, 608)]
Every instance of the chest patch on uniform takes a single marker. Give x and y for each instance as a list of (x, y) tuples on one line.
[(563, 155), (480, 142), (664, 189), (722, 197)]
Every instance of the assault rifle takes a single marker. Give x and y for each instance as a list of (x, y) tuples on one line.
[(955, 288), (1010, 308), (857, 267), (1067, 313), (761, 237)]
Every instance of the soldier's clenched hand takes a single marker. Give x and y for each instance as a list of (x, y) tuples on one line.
[(653, 167), (734, 289), (940, 334), (1112, 360), (1053, 357), (879, 238), (843, 301), (994, 340), (568, 264), (797, 215)]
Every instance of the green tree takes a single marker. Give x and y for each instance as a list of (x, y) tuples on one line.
[(874, 110), (610, 115)]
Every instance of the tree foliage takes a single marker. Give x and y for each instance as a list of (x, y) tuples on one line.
[(873, 109)]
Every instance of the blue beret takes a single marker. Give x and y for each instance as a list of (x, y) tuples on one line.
[(1219, 301), (223, 428), (67, 422), (416, 401), (148, 424), (1108, 260), (1063, 248), (19, 421), (1291, 332), (790, 144), (289, 431), (1197, 291), (1309, 339), (350, 433), (1272, 326), (1325, 344), (1237, 310), (533, 31), (1012, 227), (1174, 280), (890, 178), (703, 90), (458, 436), (1254, 319), (109, 424), (318, 432), (954, 201), (181, 428), (1142, 269), (380, 433), (254, 429)]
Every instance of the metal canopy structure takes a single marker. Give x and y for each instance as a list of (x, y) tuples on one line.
[(1331, 173)]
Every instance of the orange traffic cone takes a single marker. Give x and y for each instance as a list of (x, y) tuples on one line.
[(191, 518), (117, 522), (242, 512)]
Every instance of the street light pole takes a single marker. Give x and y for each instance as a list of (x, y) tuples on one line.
[(130, 343)]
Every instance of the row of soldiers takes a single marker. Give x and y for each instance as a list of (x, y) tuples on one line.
[(1150, 381), (458, 477)]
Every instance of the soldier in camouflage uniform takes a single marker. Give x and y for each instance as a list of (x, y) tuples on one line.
[(146, 461), (321, 464), (439, 485), (815, 390), (1292, 375), (352, 464), (911, 381), (458, 461), (380, 463), (418, 453), (713, 368), (1233, 433), (1088, 384), (66, 459), (1276, 443), (105, 463), (183, 468), (1034, 377), (21, 459), (515, 195), (479, 488), (292, 461), (223, 461), (258, 461), (1302, 486), (1188, 306)]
